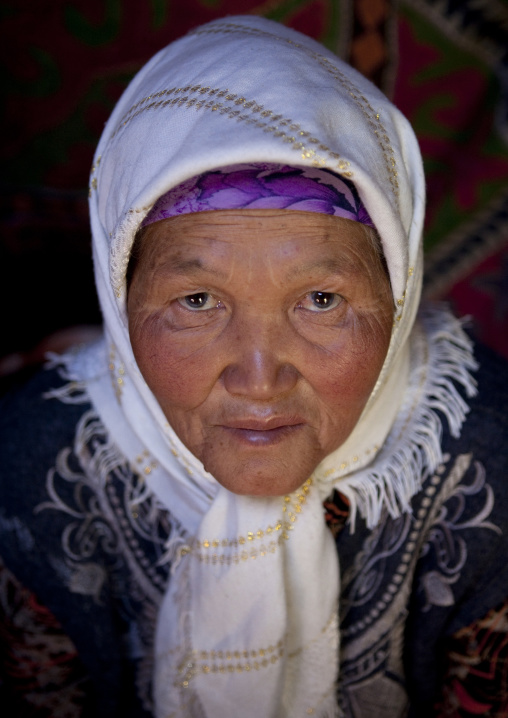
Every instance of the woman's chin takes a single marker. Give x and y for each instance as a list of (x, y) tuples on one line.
[(262, 476), (261, 463)]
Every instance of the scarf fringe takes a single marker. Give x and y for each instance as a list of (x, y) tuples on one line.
[(412, 450), (75, 367), (74, 392)]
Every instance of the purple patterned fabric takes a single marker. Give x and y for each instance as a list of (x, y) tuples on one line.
[(263, 186)]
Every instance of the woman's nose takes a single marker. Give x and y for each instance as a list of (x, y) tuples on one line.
[(260, 366)]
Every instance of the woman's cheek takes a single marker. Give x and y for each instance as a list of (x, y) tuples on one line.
[(178, 374), (357, 359)]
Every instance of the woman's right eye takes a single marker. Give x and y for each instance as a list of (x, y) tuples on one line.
[(321, 301), (198, 301)]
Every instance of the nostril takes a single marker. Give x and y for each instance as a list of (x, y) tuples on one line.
[(259, 377)]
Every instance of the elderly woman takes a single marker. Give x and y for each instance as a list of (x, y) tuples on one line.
[(176, 494)]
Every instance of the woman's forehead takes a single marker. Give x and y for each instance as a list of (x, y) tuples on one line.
[(296, 241), (233, 224)]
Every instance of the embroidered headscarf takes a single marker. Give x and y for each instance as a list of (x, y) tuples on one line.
[(248, 624)]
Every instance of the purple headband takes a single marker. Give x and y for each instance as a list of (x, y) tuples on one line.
[(262, 186)]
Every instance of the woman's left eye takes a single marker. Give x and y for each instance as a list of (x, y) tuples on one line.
[(199, 301), (321, 301)]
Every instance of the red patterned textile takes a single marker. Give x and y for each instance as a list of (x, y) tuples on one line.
[(41, 674), (477, 678)]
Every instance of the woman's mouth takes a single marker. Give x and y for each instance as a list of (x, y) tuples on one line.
[(257, 432)]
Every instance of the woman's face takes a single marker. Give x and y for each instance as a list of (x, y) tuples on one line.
[(261, 333)]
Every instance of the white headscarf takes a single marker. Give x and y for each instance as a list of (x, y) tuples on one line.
[(249, 622)]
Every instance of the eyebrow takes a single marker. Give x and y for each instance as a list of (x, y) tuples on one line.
[(191, 267), (186, 267), (330, 266)]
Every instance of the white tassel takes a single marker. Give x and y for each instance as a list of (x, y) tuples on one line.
[(74, 392)]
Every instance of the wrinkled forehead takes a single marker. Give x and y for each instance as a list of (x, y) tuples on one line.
[(286, 248)]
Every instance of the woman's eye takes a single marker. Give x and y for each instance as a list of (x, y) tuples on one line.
[(321, 301), (200, 300)]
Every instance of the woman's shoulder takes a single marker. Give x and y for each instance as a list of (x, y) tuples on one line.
[(36, 427), (484, 435), (36, 421), (492, 381), (462, 572)]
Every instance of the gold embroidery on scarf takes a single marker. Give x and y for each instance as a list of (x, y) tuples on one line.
[(244, 661), (144, 464), (400, 302), (254, 544), (220, 662), (373, 118), (176, 454), (140, 209), (117, 372), (348, 463), (93, 180), (267, 121)]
